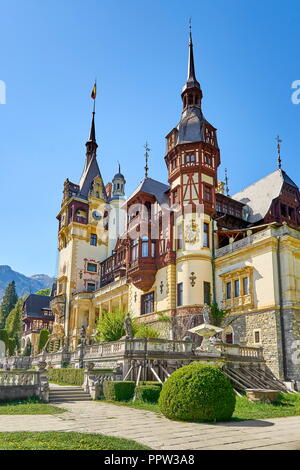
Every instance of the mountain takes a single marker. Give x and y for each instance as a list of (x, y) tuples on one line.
[(24, 284)]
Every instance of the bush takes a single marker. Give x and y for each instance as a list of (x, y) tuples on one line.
[(118, 391), (148, 393), (110, 326), (151, 383), (197, 392), (146, 331), (66, 376)]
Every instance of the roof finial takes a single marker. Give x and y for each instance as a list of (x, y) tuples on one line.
[(92, 137), (147, 150), (226, 183), (119, 167), (278, 140)]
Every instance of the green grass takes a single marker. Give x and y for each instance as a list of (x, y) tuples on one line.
[(64, 441), (288, 405), (31, 406)]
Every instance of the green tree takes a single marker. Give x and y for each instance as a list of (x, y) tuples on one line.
[(43, 338), (12, 344), (4, 337), (45, 292), (8, 302), (27, 349), (14, 323)]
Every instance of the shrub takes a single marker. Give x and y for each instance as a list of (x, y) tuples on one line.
[(152, 383), (69, 376), (146, 331), (118, 391), (110, 326), (148, 393), (197, 392)]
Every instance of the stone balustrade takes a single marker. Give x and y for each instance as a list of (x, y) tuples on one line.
[(16, 384)]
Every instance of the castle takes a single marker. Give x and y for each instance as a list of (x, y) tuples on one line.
[(169, 249)]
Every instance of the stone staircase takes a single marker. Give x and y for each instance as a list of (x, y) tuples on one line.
[(251, 377), (67, 394)]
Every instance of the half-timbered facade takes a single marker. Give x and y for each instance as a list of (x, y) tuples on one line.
[(170, 248)]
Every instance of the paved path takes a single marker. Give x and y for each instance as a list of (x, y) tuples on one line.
[(160, 433)]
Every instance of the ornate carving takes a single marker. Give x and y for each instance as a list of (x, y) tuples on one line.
[(193, 278), (191, 233)]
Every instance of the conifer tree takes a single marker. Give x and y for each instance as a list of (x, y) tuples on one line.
[(8, 302), (14, 323)]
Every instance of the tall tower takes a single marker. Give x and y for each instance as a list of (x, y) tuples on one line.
[(192, 160), (82, 237), (117, 215), (192, 149)]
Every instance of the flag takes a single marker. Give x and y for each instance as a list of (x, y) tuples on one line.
[(94, 91)]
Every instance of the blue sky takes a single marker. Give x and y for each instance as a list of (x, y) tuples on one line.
[(246, 55)]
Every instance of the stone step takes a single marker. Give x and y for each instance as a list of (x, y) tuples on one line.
[(67, 394)]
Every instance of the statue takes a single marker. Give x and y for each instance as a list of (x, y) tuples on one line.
[(206, 312), (128, 326)]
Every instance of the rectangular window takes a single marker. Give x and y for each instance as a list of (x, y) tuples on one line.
[(134, 250), (147, 303), (206, 292), (93, 239), (92, 267), (179, 294), (179, 237), (257, 336), (145, 247), (229, 338), (207, 193), (237, 288), (206, 235), (91, 287), (245, 286), (228, 290)]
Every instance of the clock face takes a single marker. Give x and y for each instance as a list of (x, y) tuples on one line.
[(96, 215)]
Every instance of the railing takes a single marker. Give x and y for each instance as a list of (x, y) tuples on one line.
[(251, 352), (18, 378), (244, 242), (24, 384)]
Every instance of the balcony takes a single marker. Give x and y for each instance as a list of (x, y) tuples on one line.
[(141, 272)]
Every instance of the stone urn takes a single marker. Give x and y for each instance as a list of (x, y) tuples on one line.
[(207, 332)]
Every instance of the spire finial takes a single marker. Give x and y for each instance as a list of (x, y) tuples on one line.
[(147, 150), (279, 141), (119, 167), (92, 137), (226, 183)]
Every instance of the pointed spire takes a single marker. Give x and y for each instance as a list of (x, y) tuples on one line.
[(279, 141), (92, 137), (226, 183), (191, 92), (147, 150)]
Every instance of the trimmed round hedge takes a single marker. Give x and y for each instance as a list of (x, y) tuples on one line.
[(147, 393), (197, 392)]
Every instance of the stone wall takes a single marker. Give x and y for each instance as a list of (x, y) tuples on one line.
[(292, 343), (8, 393), (268, 323)]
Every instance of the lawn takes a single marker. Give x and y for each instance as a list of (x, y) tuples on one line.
[(31, 406), (64, 441), (289, 405)]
